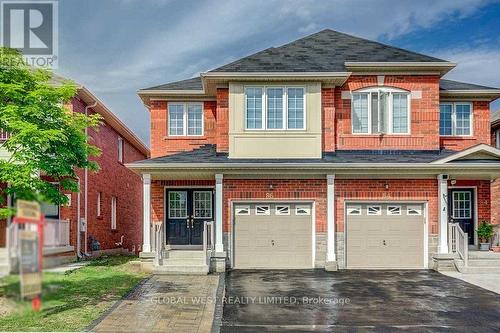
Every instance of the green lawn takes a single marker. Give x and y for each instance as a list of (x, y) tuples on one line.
[(70, 301)]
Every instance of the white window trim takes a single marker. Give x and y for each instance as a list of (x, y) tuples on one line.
[(418, 209), (185, 119), (391, 111), (120, 149), (277, 211), (264, 108), (113, 213), (267, 212), (454, 119), (168, 205), (211, 205), (351, 210), (390, 213), (238, 210), (306, 208), (374, 214)]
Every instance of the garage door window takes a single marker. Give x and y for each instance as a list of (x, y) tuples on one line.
[(374, 210), (242, 210), (262, 210), (302, 210), (393, 210), (414, 210), (282, 210), (354, 210)]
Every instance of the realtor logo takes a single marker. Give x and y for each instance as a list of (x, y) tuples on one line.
[(32, 28)]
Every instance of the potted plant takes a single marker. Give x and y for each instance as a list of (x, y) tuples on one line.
[(484, 233)]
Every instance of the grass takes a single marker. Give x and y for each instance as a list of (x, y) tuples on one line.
[(70, 301)]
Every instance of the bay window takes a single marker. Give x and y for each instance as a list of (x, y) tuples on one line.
[(455, 119), (185, 119), (381, 110), (274, 108)]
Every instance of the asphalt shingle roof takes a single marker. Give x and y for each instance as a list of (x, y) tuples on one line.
[(456, 85), (324, 51), (189, 84), (208, 154)]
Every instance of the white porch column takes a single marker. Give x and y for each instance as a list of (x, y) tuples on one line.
[(219, 244), (443, 213), (146, 221), (331, 258)]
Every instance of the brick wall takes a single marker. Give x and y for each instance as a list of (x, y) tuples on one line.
[(399, 189), (481, 129), (112, 180), (328, 119), (162, 144), (222, 120), (424, 114)]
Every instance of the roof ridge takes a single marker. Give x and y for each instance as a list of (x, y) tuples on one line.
[(245, 57), (364, 40)]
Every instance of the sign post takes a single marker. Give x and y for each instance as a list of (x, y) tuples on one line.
[(31, 250)]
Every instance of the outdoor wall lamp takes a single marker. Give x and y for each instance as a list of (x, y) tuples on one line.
[(386, 185)]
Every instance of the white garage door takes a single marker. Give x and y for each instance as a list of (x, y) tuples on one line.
[(385, 236), (273, 235)]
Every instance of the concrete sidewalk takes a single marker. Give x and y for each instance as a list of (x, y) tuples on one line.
[(487, 281), (165, 303)]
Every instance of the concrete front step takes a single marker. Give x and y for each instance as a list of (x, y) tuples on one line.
[(181, 270), (182, 261), (484, 262), (185, 254), (480, 270), (484, 255)]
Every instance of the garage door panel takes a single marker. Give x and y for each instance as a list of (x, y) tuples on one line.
[(385, 240), (292, 236)]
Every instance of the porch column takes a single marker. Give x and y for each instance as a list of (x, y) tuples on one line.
[(331, 259), (146, 221), (443, 213), (219, 244)]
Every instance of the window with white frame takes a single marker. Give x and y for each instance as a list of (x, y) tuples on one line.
[(113, 213), (374, 210), (498, 139), (414, 210), (185, 119), (202, 203), (381, 110), (242, 210), (302, 210), (120, 149), (275, 108), (455, 119), (393, 210), (354, 210), (262, 210), (282, 210)]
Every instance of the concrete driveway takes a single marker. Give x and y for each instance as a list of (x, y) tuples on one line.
[(360, 301)]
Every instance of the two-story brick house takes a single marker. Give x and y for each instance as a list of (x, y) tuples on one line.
[(331, 152), (108, 208)]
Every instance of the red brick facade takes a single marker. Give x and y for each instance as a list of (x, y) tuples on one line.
[(222, 120), (112, 180), (424, 114), (328, 119)]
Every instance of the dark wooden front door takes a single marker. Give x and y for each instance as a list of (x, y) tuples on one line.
[(461, 210), (187, 209)]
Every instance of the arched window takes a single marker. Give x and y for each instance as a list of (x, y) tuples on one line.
[(381, 110)]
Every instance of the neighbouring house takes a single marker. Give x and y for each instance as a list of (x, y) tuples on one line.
[(107, 212), (495, 186), (331, 151)]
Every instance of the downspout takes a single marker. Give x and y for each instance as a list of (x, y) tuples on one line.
[(78, 216), (87, 179)]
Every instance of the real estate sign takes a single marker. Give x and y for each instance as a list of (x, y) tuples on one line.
[(31, 278)]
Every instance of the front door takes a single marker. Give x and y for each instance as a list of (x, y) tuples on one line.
[(461, 210), (186, 212)]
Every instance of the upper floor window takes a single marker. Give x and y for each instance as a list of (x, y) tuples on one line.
[(120, 149), (275, 108), (498, 139), (381, 110), (4, 135), (455, 119), (185, 119)]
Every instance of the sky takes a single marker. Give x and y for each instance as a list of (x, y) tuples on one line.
[(115, 47)]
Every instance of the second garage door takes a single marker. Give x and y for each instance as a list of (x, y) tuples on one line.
[(385, 236), (273, 235)]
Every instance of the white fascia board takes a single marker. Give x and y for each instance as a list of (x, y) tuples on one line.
[(399, 64), (472, 150), (320, 75)]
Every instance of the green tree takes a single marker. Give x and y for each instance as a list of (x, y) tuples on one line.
[(47, 141)]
